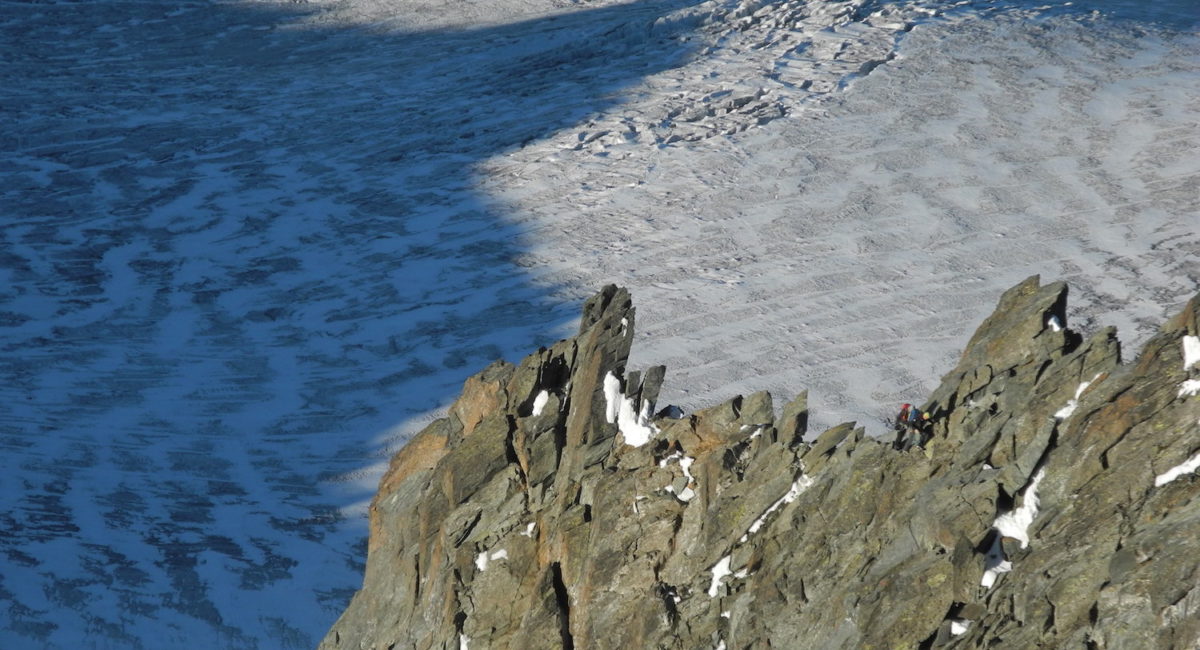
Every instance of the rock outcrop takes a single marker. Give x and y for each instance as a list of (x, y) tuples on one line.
[(1054, 506)]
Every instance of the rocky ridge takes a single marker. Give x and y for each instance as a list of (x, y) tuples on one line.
[(1055, 506)]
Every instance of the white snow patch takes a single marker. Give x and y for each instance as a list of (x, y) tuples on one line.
[(1054, 324), (685, 463), (635, 426), (1191, 351), (1189, 388), (798, 486), (624, 326), (720, 571), (483, 559), (539, 402), (1186, 467), (1013, 524), (725, 614), (463, 642), (1016, 524), (1066, 411), (529, 530), (994, 564), (720, 645), (612, 397), (959, 627)]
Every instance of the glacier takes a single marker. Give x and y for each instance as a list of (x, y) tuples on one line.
[(249, 247)]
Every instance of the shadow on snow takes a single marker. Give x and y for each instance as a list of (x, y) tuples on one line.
[(236, 249)]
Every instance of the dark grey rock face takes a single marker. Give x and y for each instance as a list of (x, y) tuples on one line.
[(1053, 507)]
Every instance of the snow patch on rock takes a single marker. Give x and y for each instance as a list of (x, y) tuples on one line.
[(539, 402), (1189, 388), (634, 425), (1186, 467), (1015, 525), (1191, 351), (685, 463), (1066, 411), (798, 487), (720, 571), (483, 559), (612, 397)]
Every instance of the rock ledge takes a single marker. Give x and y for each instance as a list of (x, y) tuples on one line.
[(1055, 506)]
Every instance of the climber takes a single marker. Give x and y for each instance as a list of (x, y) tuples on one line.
[(925, 427), (902, 418), (914, 420), (901, 426)]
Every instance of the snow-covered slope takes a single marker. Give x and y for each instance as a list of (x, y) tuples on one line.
[(248, 247), (846, 248)]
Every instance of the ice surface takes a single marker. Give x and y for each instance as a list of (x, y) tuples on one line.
[(249, 248), (858, 242)]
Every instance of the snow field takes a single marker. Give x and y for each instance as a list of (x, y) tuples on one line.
[(851, 248), (249, 248)]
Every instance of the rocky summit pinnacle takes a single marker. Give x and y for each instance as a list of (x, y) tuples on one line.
[(1055, 505)]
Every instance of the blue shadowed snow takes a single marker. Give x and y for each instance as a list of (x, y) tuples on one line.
[(236, 253)]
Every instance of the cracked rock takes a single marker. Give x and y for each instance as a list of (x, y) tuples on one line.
[(1052, 507)]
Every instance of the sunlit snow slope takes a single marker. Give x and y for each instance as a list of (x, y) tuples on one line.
[(247, 247)]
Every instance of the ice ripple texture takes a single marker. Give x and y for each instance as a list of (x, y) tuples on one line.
[(242, 258), (247, 248)]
